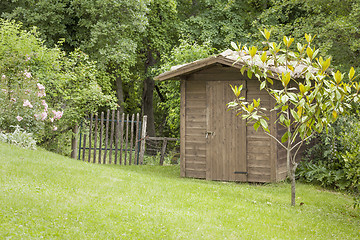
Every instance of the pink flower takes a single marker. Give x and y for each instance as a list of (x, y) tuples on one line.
[(40, 86), (27, 103), (41, 94), (4, 90), (13, 100), (27, 74), (27, 91), (57, 114), (45, 105), (36, 116), (27, 57), (54, 128), (19, 118), (43, 116), (3, 76)]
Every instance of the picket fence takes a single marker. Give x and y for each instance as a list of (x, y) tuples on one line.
[(116, 139)]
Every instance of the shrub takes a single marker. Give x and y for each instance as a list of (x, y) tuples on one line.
[(19, 137), (22, 96), (335, 161), (27, 67)]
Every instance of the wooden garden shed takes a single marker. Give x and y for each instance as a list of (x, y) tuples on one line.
[(214, 143)]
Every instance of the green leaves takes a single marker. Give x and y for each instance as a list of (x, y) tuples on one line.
[(285, 137), (308, 38), (237, 90), (266, 34), (285, 78), (324, 64), (264, 125), (288, 41), (338, 77), (351, 73), (252, 51), (263, 57)]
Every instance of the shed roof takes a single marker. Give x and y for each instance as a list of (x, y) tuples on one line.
[(230, 58)]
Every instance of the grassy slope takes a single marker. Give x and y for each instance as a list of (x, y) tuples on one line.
[(44, 194)]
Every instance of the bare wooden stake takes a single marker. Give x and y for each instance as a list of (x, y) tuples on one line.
[(90, 131), (122, 136), (163, 150), (111, 134), (137, 137), (126, 137), (131, 137), (106, 134), (143, 137), (101, 135), (84, 146), (117, 135), (95, 137)]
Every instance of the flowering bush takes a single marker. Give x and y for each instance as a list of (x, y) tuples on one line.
[(22, 97), (45, 91)]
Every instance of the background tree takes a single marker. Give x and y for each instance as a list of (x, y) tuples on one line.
[(160, 36), (334, 23), (303, 107), (108, 31), (218, 22)]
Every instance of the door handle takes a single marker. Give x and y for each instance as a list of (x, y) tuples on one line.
[(207, 133)]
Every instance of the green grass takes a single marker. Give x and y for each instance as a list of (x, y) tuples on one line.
[(46, 195)]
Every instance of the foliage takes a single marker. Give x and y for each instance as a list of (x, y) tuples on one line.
[(334, 23), (107, 31), (218, 22), (103, 29), (51, 196), (28, 68), (19, 137), (186, 52), (74, 87), (334, 161), (303, 107), (22, 97)]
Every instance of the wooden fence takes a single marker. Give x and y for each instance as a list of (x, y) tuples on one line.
[(116, 139), (153, 146)]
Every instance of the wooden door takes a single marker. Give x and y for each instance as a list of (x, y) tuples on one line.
[(225, 136)]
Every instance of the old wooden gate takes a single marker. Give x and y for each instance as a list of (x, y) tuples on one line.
[(118, 139), (226, 135)]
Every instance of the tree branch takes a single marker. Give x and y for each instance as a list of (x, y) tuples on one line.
[(275, 139), (301, 142), (293, 160)]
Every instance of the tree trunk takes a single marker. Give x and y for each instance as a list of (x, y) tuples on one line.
[(292, 178), (147, 103), (74, 142), (120, 94)]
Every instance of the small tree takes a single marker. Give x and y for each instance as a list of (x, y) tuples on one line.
[(308, 95)]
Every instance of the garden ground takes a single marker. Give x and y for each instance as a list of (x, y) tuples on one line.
[(47, 195)]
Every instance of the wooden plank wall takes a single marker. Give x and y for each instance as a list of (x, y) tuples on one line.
[(259, 147), (195, 127)]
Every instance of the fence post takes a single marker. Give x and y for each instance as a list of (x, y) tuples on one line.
[(163, 151), (74, 141), (143, 139)]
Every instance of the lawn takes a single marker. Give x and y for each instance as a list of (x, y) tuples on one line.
[(44, 195)]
